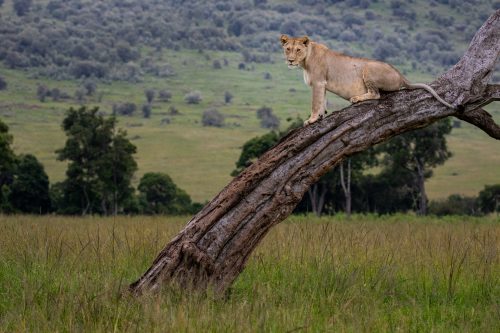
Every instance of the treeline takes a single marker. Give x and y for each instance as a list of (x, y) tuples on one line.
[(385, 179), (106, 39), (98, 180)]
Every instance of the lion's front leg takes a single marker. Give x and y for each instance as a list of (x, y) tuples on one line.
[(318, 103)]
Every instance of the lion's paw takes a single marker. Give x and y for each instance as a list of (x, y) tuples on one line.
[(310, 121), (354, 99)]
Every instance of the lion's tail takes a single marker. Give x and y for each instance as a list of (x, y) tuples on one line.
[(409, 85)]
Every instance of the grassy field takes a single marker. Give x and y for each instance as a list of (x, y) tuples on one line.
[(366, 274), (200, 159)]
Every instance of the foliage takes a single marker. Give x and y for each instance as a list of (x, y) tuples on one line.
[(3, 84), (267, 118), (253, 149), (455, 204), (100, 166), (30, 188), (22, 7), (228, 97), (7, 167), (193, 97), (489, 199), (212, 117), (49, 40), (146, 110), (160, 195), (150, 95), (164, 95), (124, 109)]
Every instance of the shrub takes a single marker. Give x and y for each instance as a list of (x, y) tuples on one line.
[(146, 110), (267, 118), (160, 195), (212, 117), (489, 199), (41, 92), (164, 95), (3, 83), (150, 95), (125, 109), (21, 7), (455, 204), (216, 64), (268, 76), (55, 93), (80, 95), (173, 111), (193, 97), (90, 87), (228, 97)]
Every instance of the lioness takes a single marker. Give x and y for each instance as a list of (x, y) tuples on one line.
[(354, 79)]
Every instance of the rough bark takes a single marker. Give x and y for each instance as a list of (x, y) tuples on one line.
[(214, 246)]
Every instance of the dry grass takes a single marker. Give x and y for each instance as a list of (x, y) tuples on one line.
[(368, 274)]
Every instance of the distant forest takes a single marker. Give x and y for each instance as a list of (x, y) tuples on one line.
[(123, 39)]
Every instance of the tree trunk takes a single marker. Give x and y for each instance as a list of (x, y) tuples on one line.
[(317, 199), (214, 246), (422, 196), (346, 186)]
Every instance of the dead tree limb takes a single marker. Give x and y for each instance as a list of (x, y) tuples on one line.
[(214, 246)]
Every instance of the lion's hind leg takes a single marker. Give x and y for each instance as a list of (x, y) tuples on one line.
[(371, 88)]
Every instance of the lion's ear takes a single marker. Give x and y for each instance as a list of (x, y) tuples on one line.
[(284, 39), (305, 40)]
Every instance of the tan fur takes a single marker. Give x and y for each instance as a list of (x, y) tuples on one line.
[(354, 79)]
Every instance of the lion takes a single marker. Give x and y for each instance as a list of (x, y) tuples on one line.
[(354, 79)]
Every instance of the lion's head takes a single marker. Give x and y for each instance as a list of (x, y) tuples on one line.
[(295, 49)]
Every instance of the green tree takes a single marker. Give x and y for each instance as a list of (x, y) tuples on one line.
[(7, 167), (160, 195), (100, 166), (489, 199), (253, 149), (417, 152), (22, 7), (30, 187)]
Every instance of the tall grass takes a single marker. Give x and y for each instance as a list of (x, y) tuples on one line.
[(398, 273)]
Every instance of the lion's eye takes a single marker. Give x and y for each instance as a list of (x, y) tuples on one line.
[(288, 49), (299, 50)]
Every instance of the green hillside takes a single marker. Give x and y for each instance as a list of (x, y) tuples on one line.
[(198, 158)]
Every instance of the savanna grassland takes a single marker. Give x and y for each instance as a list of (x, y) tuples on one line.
[(200, 159), (371, 274), (124, 44)]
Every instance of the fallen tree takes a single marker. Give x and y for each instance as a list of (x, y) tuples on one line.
[(214, 246)]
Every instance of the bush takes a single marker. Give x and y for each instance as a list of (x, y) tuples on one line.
[(3, 83), (267, 118), (80, 95), (173, 111), (193, 97), (164, 95), (216, 64), (150, 95), (21, 7), (489, 199), (228, 97), (41, 92), (146, 110), (125, 109), (160, 195), (212, 117), (455, 204)]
